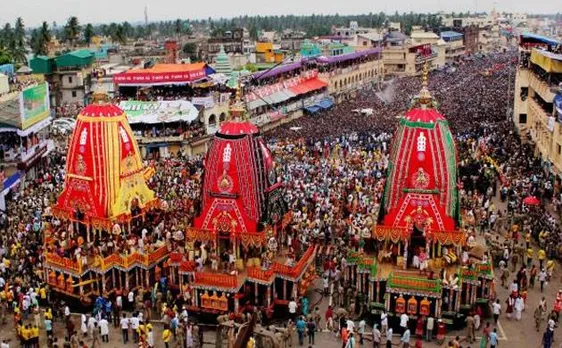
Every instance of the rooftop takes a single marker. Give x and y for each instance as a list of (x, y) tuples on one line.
[(450, 34), (424, 35)]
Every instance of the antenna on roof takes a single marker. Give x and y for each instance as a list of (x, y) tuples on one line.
[(145, 14)]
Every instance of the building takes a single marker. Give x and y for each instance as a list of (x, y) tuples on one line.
[(231, 41), (470, 38), (24, 120), (351, 31), (292, 40), (266, 53), (537, 81), (402, 58), (367, 40), (454, 45), (419, 37), (69, 75)]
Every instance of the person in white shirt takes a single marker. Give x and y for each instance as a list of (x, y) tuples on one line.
[(496, 310), (84, 325), (104, 330), (404, 321), (350, 325), (131, 300), (134, 326), (430, 322), (150, 338), (67, 312), (293, 309), (384, 322), (124, 323), (389, 334), (91, 325), (4, 344), (361, 330)]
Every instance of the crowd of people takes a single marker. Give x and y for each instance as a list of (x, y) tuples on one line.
[(333, 165)]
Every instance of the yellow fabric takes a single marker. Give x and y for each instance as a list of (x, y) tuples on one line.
[(530, 253), (166, 335), (25, 333), (35, 332), (542, 254), (122, 179), (550, 65)]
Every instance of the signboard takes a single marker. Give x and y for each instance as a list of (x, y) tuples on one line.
[(130, 78), (159, 111), (34, 105), (208, 102)]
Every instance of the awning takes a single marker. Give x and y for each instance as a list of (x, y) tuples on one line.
[(10, 182), (279, 97), (254, 104), (550, 62), (312, 109), (308, 86), (325, 103)]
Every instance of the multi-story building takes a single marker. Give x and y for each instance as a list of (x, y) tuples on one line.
[(351, 31), (454, 45), (537, 81), (69, 75), (232, 41), (405, 57)]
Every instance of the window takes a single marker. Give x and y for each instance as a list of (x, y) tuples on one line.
[(73, 94), (559, 148), (522, 118), (70, 79)]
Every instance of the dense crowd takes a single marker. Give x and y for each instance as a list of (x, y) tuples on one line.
[(333, 165)]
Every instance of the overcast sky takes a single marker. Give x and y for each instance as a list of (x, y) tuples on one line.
[(106, 11)]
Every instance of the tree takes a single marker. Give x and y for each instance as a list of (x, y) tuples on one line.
[(190, 50), (178, 27), (253, 33), (5, 55), (45, 32), (37, 43), (72, 30), (118, 35), (88, 33), (40, 39), (19, 33)]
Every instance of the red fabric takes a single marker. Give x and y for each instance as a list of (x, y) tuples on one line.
[(238, 128), (86, 184), (308, 86), (231, 191), (162, 73), (425, 199)]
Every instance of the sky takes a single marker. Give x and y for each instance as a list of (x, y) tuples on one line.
[(34, 12)]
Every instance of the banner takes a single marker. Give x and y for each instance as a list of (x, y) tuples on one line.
[(159, 111), (132, 78), (34, 105), (208, 102)]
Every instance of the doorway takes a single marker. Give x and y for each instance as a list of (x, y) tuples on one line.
[(417, 242)]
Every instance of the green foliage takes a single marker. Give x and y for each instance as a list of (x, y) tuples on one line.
[(88, 33), (72, 30), (251, 67)]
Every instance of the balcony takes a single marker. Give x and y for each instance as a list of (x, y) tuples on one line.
[(151, 140), (540, 87), (538, 111), (422, 59)]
